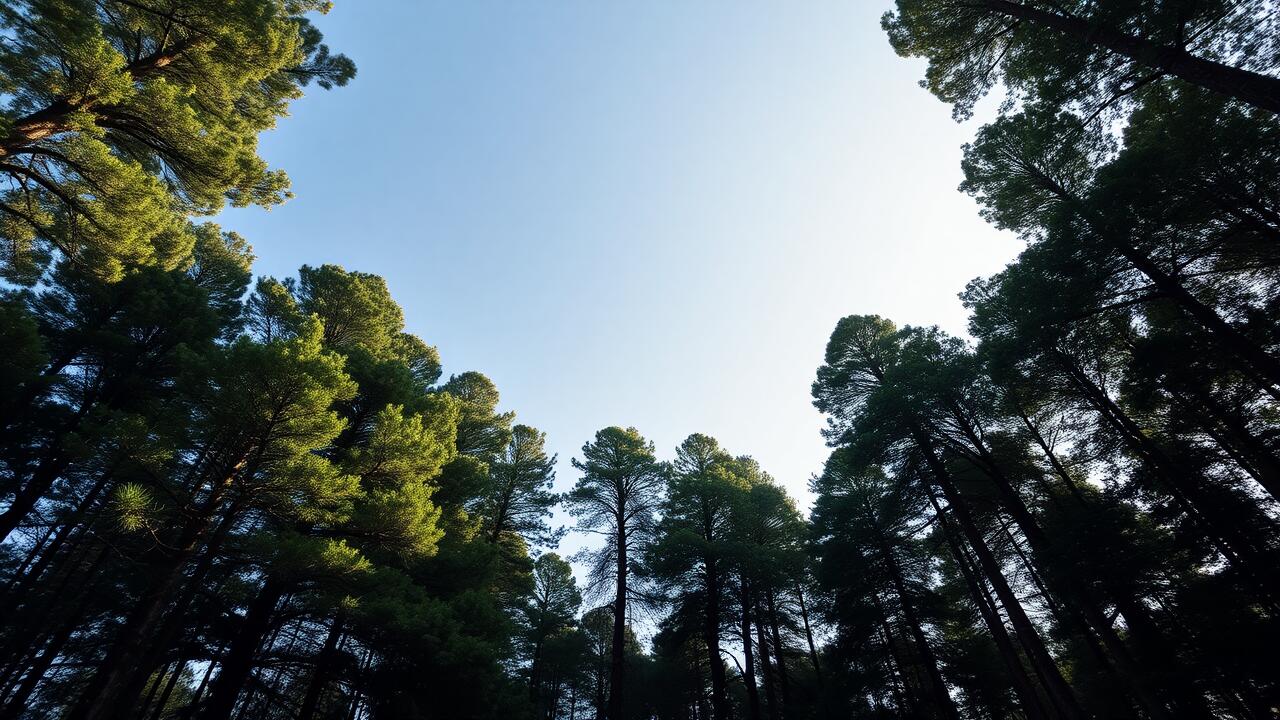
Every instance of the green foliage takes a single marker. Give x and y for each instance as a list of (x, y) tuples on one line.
[(133, 506), (121, 118), (519, 498), (1077, 53)]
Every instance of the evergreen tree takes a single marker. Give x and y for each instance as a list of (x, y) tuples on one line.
[(617, 496), (120, 118)]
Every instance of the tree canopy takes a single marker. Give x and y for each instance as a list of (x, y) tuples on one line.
[(227, 498)]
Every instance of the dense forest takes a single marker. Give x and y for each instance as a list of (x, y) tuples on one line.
[(227, 497)]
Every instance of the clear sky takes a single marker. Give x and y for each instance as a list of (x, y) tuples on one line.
[(646, 214)]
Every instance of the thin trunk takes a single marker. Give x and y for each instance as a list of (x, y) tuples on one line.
[(766, 668), (1058, 468), (748, 658), (324, 668), (779, 651), (904, 700), (534, 669), (1250, 453), (808, 634), (1218, 526), (1084, 610), (1032, 704), (168, 688), (26, 576), (190, 711), (24, 501), (16, 706), (617, 651), (234, 668), (1248, 356), (942, 703), (156, 682), (106, 694), (1063, 696), (711, 637), (36, 617)]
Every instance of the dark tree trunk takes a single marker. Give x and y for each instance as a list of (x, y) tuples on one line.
[(902, 698), (109, 694), (766, 668), (1247, 355), (808, 634), (617, 651), (190, 711), (779, 650), (711, 637), (1222, 529), (1032, 704), (1084, 611), (944, 707), (16, 707), (1253, 88), (324, 667), (1236, 438), (235, 666), (45, 475), (172, 682), (1064, 698), (748, 657)]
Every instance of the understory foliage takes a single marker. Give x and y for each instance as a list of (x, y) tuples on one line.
[(223, 497)]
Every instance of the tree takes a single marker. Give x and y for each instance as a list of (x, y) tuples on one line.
[(520, 497), (765, 542), (617, 497), (120, 118), (864, 527), (690, 555), (1084, 52), (552, 610)]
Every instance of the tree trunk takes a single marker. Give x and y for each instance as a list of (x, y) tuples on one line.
[(904, 700), (1064, 699), (1084, 610), (24, 501), (234, 668), (748, 659), (324, 667), (711, 637), (808, 634), (194, 704), (766, 668), (617, 651), (178, 668), (1253, 88), (1032, 704), (1248, 356), (105, 696), (16, 707), (942, 703), (1218, 525), (1254, 456), (779, 651)]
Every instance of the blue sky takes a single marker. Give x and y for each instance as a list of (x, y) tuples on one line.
[(646, 214)]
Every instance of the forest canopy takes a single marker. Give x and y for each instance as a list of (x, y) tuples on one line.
[(225, 496)]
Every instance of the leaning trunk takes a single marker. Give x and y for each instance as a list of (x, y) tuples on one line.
[(1253, 88), (324, 668), (233, 671), (1064, 699)]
